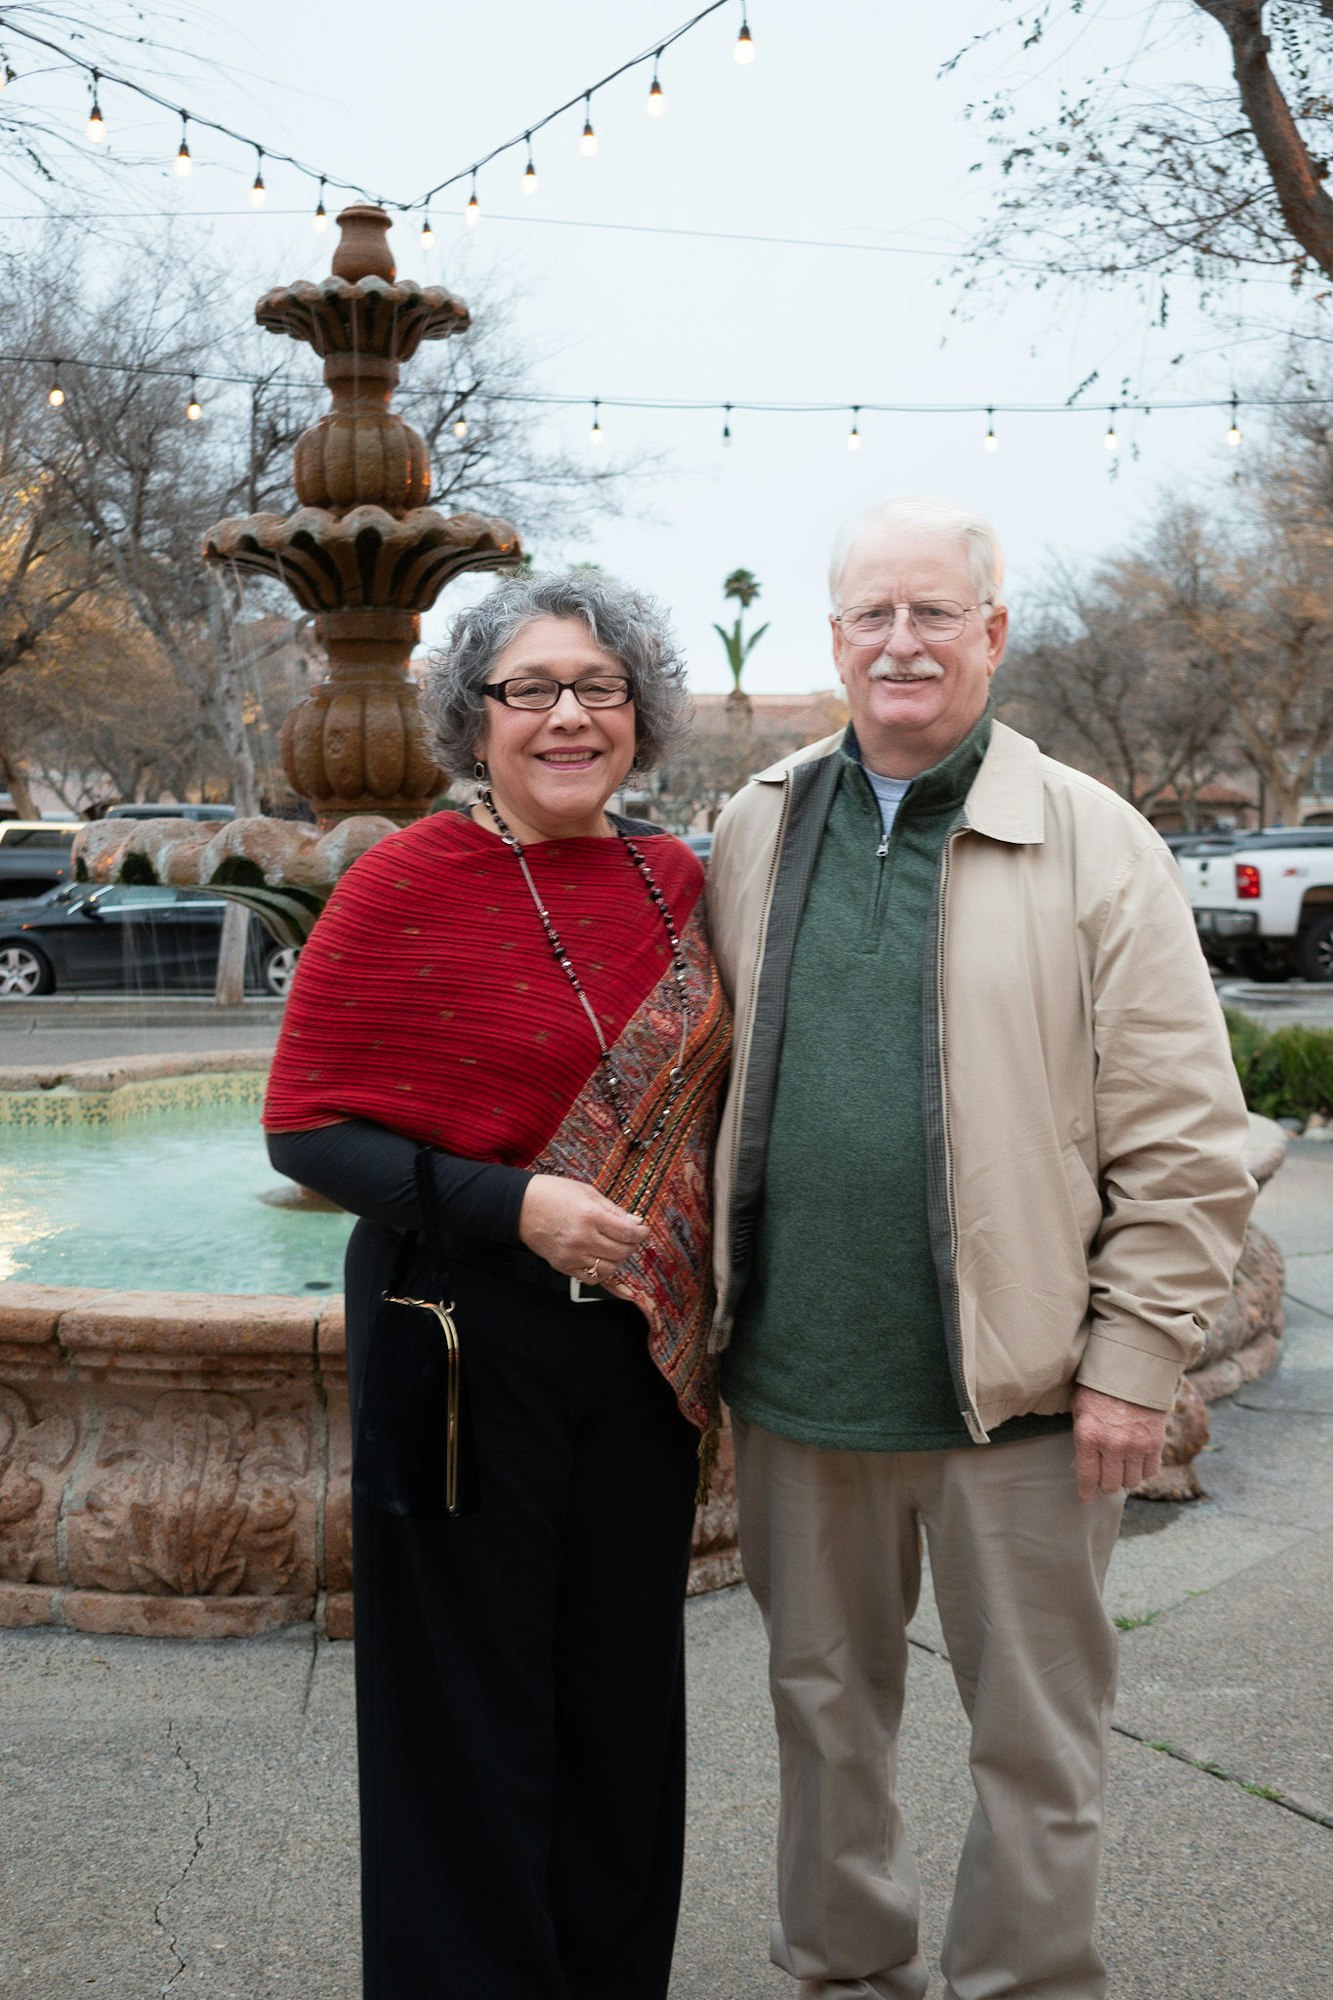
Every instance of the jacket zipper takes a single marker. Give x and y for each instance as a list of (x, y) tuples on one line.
[(724, 1325), (949, 1301)]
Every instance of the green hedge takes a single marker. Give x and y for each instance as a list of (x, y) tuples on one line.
[(1285, 1074)]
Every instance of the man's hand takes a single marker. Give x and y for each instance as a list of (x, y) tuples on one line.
[(576, 1229), (1115, 1443)]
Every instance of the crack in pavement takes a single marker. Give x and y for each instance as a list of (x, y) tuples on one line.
[(200, 1832), (1269, 1794)]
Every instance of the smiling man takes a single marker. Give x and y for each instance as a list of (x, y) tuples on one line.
[(979, 1193)]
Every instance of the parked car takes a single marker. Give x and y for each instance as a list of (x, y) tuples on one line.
[(35, 855), (127, 938), (1264, 906), (169, 809)]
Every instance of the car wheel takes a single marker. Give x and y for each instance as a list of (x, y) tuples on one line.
[(279, 965), (1314, 949), (24, 972)]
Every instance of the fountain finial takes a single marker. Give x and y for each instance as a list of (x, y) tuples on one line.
[(363, 245)]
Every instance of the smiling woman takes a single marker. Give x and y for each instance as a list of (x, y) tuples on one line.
[(503, 1051)]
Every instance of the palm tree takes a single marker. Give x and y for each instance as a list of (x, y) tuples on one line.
[(743, 586)]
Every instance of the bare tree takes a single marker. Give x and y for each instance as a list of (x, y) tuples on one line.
[(1111, 679), (1127, 179)]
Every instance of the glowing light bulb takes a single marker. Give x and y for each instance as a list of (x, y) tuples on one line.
[(258, 192), (320, 218), (854, 434), (183, 164), (1233, 437), (427, 234), (1234, 434), (193, 409), (744, 49), (656, 101), (529, 174), (587, 138), (55, 395), (990, 442), (1111, 441), (472, 213), (460, 427), (96, 127)]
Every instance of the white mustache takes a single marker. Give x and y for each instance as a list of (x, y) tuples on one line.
[(919, 670)]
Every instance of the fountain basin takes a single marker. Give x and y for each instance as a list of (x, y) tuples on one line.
[(178, 1463)]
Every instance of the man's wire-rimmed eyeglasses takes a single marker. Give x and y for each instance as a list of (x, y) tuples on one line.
[(933, 619), (536, 691)]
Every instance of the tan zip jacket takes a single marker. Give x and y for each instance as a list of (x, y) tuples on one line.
[(1084, 1123)]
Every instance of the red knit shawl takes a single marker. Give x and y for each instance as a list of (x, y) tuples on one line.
[(428, 999)]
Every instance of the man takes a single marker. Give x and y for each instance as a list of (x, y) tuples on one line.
[(979, 1192)]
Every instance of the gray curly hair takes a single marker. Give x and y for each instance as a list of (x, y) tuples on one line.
[(631, 627)]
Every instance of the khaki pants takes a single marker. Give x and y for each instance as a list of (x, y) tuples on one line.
[(831, 1542)]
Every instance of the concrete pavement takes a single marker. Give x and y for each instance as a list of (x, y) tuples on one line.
[(180, 1818)]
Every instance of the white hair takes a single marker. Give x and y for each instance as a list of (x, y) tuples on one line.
[(924, 516)]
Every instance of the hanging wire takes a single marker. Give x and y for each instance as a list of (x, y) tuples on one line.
[(97, 125)]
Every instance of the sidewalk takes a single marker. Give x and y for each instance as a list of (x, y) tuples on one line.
[(182, 1817)]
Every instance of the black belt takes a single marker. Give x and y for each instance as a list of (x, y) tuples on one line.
[(516, 1261)]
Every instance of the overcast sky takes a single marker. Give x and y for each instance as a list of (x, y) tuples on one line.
[(840, 131)]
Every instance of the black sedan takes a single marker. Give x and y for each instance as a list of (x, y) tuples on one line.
[(128, 939)]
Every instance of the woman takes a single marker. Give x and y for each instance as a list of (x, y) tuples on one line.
[(510, 1017)]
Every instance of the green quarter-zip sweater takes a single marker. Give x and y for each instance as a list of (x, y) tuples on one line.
[(839, 1340)]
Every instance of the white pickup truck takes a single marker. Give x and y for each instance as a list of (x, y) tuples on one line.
[(1263, 902)]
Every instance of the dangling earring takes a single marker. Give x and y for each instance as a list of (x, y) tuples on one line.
[(479, 772)]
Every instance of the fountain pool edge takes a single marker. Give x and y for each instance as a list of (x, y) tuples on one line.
[(178, 1464)]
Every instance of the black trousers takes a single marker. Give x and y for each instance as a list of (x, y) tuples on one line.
[(520, 1671)]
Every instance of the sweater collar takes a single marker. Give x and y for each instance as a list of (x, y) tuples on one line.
[(945, 784)]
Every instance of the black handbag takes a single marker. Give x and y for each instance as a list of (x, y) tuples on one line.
[(411, 1451)]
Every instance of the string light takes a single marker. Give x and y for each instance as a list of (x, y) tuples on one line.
[(595, 434), (1234, 434), (854, 434), (427, 234), (460, 425), (321, 217), (587, 138), (472, 213), (183, 164), (96, 122), (194, 409), (97, 130), (726, 423), (1111, 441), (55, 395), (990, 442)]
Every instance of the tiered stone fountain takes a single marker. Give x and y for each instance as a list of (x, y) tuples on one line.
[(367, 555)]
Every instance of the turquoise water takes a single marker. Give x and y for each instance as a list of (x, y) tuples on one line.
[(168, 1203)]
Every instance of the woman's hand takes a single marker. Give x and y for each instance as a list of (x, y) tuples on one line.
[(575, 1228)]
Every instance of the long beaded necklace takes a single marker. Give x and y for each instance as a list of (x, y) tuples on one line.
[(613, 1084)]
